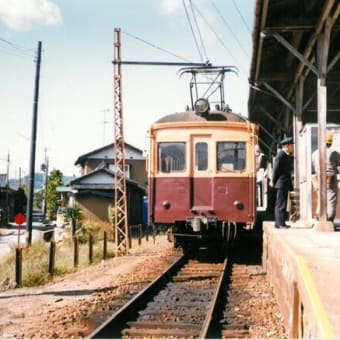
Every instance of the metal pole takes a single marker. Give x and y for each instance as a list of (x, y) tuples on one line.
[(45, 169), (7, 191), (32, 154)]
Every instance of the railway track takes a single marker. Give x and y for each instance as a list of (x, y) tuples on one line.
[(178, 304), (196, 299)]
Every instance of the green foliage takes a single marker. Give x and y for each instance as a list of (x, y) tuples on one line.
[(55, 179), (20, 201), (35, 271), (112, 219), (35, 260), (74, 212), (38, 198), (85, 230), (111, 214), (75, 215)]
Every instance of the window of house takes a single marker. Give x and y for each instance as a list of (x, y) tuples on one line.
[(172, 157), (127, 169)]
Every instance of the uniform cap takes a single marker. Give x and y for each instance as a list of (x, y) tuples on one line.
[(287, 141), (329, 138)]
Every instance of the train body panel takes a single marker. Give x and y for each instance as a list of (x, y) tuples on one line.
[(226, 199)]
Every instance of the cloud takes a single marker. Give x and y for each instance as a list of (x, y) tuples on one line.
[(171, 6), (23, 15)]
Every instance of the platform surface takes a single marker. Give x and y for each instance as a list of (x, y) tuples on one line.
[(321, 253)]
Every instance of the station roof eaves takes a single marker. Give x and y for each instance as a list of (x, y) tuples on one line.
[(275, 69)]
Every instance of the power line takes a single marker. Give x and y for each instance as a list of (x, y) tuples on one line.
[(154, 46), (198, 30), (15, 49), (219, 39), (192, 29), (242, 18), (230, 29)]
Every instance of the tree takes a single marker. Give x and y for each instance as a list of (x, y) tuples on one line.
[(74, 213), (20, 201), (55, 179)]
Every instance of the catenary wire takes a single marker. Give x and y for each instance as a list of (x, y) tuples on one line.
[(242, 18), (192, 30), (15, 49), (230, 29), (220, 40), (154, 46), (198, 30)]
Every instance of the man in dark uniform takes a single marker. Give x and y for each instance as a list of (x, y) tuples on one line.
[(282, 180)]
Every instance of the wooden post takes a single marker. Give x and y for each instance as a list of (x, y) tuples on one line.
[(18, 266), (76, 251), (51, 264), (90, 248), (130, 237), (147, 233), (139, 234), (322, 60), (105, 245)]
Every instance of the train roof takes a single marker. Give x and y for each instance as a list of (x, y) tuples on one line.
[(188, 116)]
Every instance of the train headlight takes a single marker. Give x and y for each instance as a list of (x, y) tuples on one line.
[(201, 106), (166, 205)]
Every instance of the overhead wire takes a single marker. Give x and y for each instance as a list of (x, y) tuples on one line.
[(154, 46), (15, 49), (192, 30), (219, 39), (198, 30), (230, 29), (242, 18)]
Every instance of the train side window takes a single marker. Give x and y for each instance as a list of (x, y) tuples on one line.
[(201, 156), (172, 157), (231, 156)]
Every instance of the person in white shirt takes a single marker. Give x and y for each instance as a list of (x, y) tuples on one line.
[(332, 164)]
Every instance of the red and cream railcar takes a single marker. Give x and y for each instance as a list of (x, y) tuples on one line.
[(201, 172)]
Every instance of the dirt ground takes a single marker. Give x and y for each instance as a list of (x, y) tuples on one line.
[(68, 307), (53, 310)]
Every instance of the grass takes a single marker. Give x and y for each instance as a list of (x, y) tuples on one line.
[(35, 261)]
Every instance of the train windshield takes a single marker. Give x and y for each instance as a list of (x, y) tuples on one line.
[(172, 157), (231, 156)]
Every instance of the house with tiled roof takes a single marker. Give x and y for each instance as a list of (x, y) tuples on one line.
[(93, 191)]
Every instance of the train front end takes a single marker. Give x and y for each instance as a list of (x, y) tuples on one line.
[(202, 177)]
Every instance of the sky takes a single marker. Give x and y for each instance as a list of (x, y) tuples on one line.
[(76, 102)]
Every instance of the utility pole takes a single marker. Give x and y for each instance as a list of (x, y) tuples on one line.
[(121, 222), (7, 190), (33, 148), (44, 168), (120, 200)]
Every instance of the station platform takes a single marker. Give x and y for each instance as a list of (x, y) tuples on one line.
[(303, 266)]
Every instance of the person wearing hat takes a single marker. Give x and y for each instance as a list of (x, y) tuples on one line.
[(332, 164), (282, 180)]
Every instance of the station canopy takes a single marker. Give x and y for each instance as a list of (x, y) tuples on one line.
[(286, 50)]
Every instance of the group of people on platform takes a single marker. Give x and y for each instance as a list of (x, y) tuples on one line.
[(281, 179)]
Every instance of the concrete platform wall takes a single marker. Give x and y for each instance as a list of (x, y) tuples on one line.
[(302, 310)]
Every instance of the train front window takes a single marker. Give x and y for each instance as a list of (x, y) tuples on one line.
[(201, 156), (171, 157), (231, 156)]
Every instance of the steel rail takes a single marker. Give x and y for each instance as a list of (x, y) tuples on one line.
[(111, 329)]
